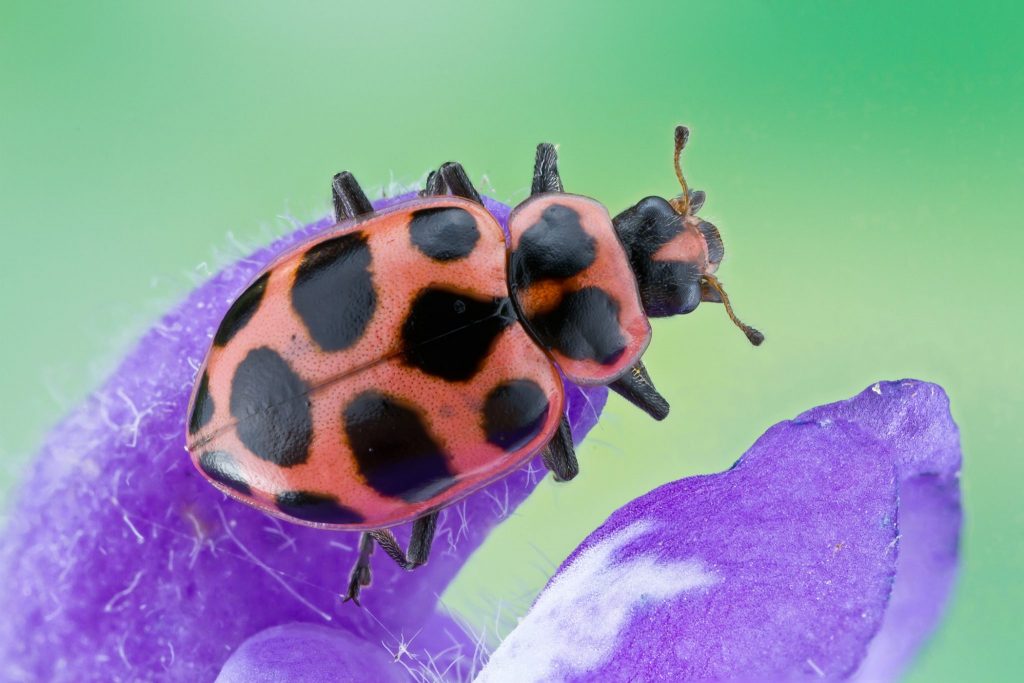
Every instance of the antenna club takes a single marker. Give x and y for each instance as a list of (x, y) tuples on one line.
[(753, 335), (682, 203), (682, 136)]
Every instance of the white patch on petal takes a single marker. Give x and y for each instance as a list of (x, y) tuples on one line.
[(574, 626)]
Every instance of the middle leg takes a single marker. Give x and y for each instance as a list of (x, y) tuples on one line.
[(559, 454)]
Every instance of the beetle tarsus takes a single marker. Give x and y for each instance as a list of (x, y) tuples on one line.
[(360, 575)]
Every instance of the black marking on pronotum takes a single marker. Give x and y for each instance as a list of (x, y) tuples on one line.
[(241, 312), (271, 405), (202, 407), (555, 247), (316, 507), (445, 233), (514, 413), (584, 326), (222, 467), (333, 291), (393, 448), (448, 334)]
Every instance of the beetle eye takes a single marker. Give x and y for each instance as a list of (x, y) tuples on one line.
[(697, 198), (716, 249)]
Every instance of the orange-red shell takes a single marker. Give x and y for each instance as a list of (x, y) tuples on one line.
[(375, 373)]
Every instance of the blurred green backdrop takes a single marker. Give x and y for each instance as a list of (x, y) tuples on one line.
[(862, 161)]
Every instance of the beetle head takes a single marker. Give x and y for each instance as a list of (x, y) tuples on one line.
[(674, 253)]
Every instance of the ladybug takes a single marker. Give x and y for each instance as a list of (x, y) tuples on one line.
[(407, 357)]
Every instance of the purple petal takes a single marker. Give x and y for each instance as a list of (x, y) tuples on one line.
[(827, 551), (121, 563), (308, 653)]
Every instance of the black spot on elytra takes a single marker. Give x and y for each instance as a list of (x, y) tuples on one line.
[(555, 247), (444, 234), (316, 507), (271, 405), (222, 467), (584, 326), (514, 413), (449, 334), (241, 312), (333, 291), (393, 448), (202, 407)]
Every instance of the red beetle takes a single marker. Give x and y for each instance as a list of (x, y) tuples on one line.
[(407, 357)]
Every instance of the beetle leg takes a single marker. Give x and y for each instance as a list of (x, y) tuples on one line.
[(545, 170), (419, 543), (419, 550), (636, 387), (434, 185), (360, 575), (451, 178), (349, 199), (559, 455)]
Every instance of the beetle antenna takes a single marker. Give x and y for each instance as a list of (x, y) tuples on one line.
[(681, 203), (753, 335)]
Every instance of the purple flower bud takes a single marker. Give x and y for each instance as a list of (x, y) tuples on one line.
[(826, 552)]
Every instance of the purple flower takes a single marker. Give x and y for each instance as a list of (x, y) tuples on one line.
[(826, 552)]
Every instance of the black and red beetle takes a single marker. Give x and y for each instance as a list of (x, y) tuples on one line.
[(404, 358)]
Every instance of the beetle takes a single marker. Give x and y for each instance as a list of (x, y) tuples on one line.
[(404, 358)]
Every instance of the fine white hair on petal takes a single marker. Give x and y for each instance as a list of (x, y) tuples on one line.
[(575, 624)]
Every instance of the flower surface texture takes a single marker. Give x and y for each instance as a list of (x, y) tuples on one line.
[(826, 553)]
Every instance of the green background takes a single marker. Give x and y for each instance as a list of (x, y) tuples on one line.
[(863, 162)]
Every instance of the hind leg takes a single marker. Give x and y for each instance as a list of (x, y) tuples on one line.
[(417, 554)]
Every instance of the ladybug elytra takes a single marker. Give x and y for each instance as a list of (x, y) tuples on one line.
[(406, 357)]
